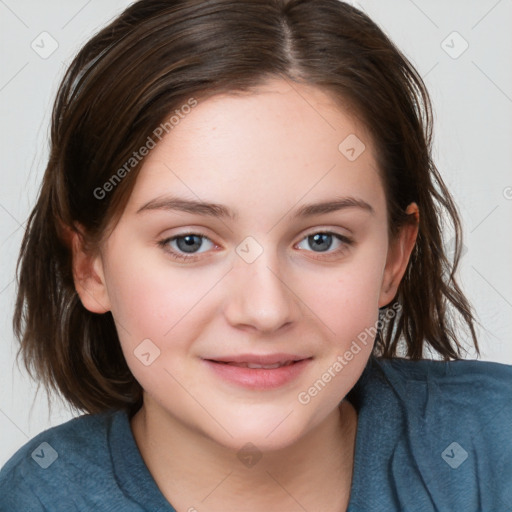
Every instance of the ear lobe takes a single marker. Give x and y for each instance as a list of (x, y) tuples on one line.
[(88, 275), (398, 257)]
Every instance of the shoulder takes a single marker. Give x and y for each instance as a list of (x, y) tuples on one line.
[(459, 383), (467, 393), (439, 430), (43, 471), (445, 369), (484, 376)]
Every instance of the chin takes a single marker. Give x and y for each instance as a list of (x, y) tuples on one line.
[(266, 430)]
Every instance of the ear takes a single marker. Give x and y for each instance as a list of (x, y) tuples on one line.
[(399, 252), (88, 275)]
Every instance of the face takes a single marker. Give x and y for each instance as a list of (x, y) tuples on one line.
[(266, 277)]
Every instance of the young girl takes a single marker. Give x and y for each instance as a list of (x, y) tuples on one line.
[(235, 268)]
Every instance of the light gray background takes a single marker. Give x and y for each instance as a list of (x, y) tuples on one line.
[(472, 97)]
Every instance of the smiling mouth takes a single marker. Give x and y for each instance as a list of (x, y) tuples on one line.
[(259, 372)]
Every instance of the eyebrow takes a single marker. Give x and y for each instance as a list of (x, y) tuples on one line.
[(220, 211)]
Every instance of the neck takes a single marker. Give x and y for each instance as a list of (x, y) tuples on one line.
[(194, 472)]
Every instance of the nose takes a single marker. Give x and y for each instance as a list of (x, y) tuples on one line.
[(259, 296)]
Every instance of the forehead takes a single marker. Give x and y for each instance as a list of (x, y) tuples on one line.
[(279, 144)]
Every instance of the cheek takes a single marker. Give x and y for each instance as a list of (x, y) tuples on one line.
[(137, 297), (140, 293), (151, 300), (347, 299), (155, 317), (346, 302)]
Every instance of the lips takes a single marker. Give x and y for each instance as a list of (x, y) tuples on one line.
[(264, 361), (258, 372), (256, 365)]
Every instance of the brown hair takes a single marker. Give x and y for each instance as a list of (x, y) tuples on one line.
[(149, 61)]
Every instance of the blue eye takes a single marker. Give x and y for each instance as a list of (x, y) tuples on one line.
[(324, 241), (187, 245)]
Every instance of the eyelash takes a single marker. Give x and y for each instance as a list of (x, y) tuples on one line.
[(164, 244)]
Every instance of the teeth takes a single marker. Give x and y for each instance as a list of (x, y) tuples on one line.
[(254, 365), (264, 366)]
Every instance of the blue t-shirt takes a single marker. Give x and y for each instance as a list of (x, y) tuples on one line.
[(432, 436)]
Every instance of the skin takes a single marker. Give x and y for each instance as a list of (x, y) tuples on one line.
[(264, 155)]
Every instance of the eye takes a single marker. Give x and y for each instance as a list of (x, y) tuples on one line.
[(324, 240), (186, 245)]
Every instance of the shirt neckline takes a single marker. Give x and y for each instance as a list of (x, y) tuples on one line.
[(138, 483), (130, 470)]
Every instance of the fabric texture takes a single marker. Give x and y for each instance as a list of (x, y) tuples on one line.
[(432, 436)]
